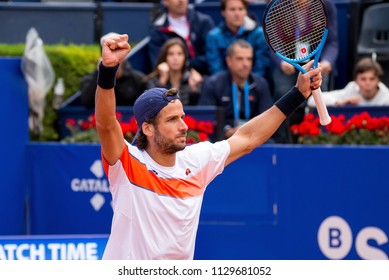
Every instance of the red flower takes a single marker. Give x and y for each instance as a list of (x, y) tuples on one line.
[(190, 122), (70, 122), (130, 126), (205, 126), (203, 136), (190, 141)]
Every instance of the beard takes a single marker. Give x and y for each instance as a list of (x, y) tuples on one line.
[(166, 145)]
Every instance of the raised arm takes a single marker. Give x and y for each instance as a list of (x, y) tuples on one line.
[(256, 131), (114, 50)]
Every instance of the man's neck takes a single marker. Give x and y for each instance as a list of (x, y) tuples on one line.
[(234, 29), (176, 16), (239, 81), (163, 159)]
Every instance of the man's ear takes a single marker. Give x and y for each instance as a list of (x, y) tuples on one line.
[(228, 61), (148, 129)]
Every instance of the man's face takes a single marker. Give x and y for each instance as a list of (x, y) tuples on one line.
[(170, 133), (240, 62), (234, 14), (368, 84), (176, 8)]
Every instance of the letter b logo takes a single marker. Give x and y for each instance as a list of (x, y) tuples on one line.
[(335, 237)]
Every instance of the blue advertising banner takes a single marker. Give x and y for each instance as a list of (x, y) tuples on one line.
[(14, 136), (330, 202), (69, 190), (279, 202), (82, 247)]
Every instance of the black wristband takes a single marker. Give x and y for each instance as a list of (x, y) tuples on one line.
[(106, 78), (290, 101)]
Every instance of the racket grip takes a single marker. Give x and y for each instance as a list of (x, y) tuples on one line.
[(321, 107)]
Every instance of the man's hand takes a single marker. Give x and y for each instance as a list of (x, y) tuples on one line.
[(310, 80), (115, 49)]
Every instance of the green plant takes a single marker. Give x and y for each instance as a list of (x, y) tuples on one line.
[(70, 62)]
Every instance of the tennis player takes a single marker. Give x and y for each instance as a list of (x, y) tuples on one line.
[(158, 183)]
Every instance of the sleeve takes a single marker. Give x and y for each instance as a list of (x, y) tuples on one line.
[(261, 53), (212, 158), (208, 96), (88, 86), (154, 82), (331, 97), (214, 57), (199, 62), (265, 98), (154, 45), (275, 60), (331, 47)]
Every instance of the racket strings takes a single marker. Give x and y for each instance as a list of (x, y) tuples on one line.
[(290, 22)]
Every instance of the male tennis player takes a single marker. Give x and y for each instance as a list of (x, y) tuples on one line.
[(158, 185)]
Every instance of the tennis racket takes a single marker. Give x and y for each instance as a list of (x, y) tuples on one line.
[(295, 31)]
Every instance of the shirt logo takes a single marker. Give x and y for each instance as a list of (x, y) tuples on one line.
[(187, 171)]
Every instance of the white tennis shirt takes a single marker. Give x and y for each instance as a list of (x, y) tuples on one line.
[(157, 208)]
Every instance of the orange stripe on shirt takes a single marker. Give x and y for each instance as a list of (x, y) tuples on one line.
[(139, 175)]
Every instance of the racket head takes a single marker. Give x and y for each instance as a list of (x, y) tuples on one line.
[(295, 30)]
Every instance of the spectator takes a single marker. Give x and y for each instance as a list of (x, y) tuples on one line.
[(284, 74), (173, 71), (236, 25), (240, 92), (129, 84), (365, 90), (191, 26)]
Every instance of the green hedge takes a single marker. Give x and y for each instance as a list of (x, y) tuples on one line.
[(70, 62)]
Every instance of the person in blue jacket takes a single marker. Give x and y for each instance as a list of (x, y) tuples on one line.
[(240, 92), (178, 20), (236, 25)]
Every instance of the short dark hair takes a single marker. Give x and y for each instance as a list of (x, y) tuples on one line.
[(237, 43), (223, 4), (368, 64)]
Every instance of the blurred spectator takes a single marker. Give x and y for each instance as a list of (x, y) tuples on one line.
[(365, 90), (129, 84), (241, 93), (178, 20), (236, 25), (284, 74), (173, 71)]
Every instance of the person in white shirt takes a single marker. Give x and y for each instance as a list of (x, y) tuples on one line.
[(365, 90)]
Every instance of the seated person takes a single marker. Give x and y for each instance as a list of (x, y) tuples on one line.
[(129, 85), (173, 71), (178, 20), (236, 25), (241, 93), (365, 90)]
